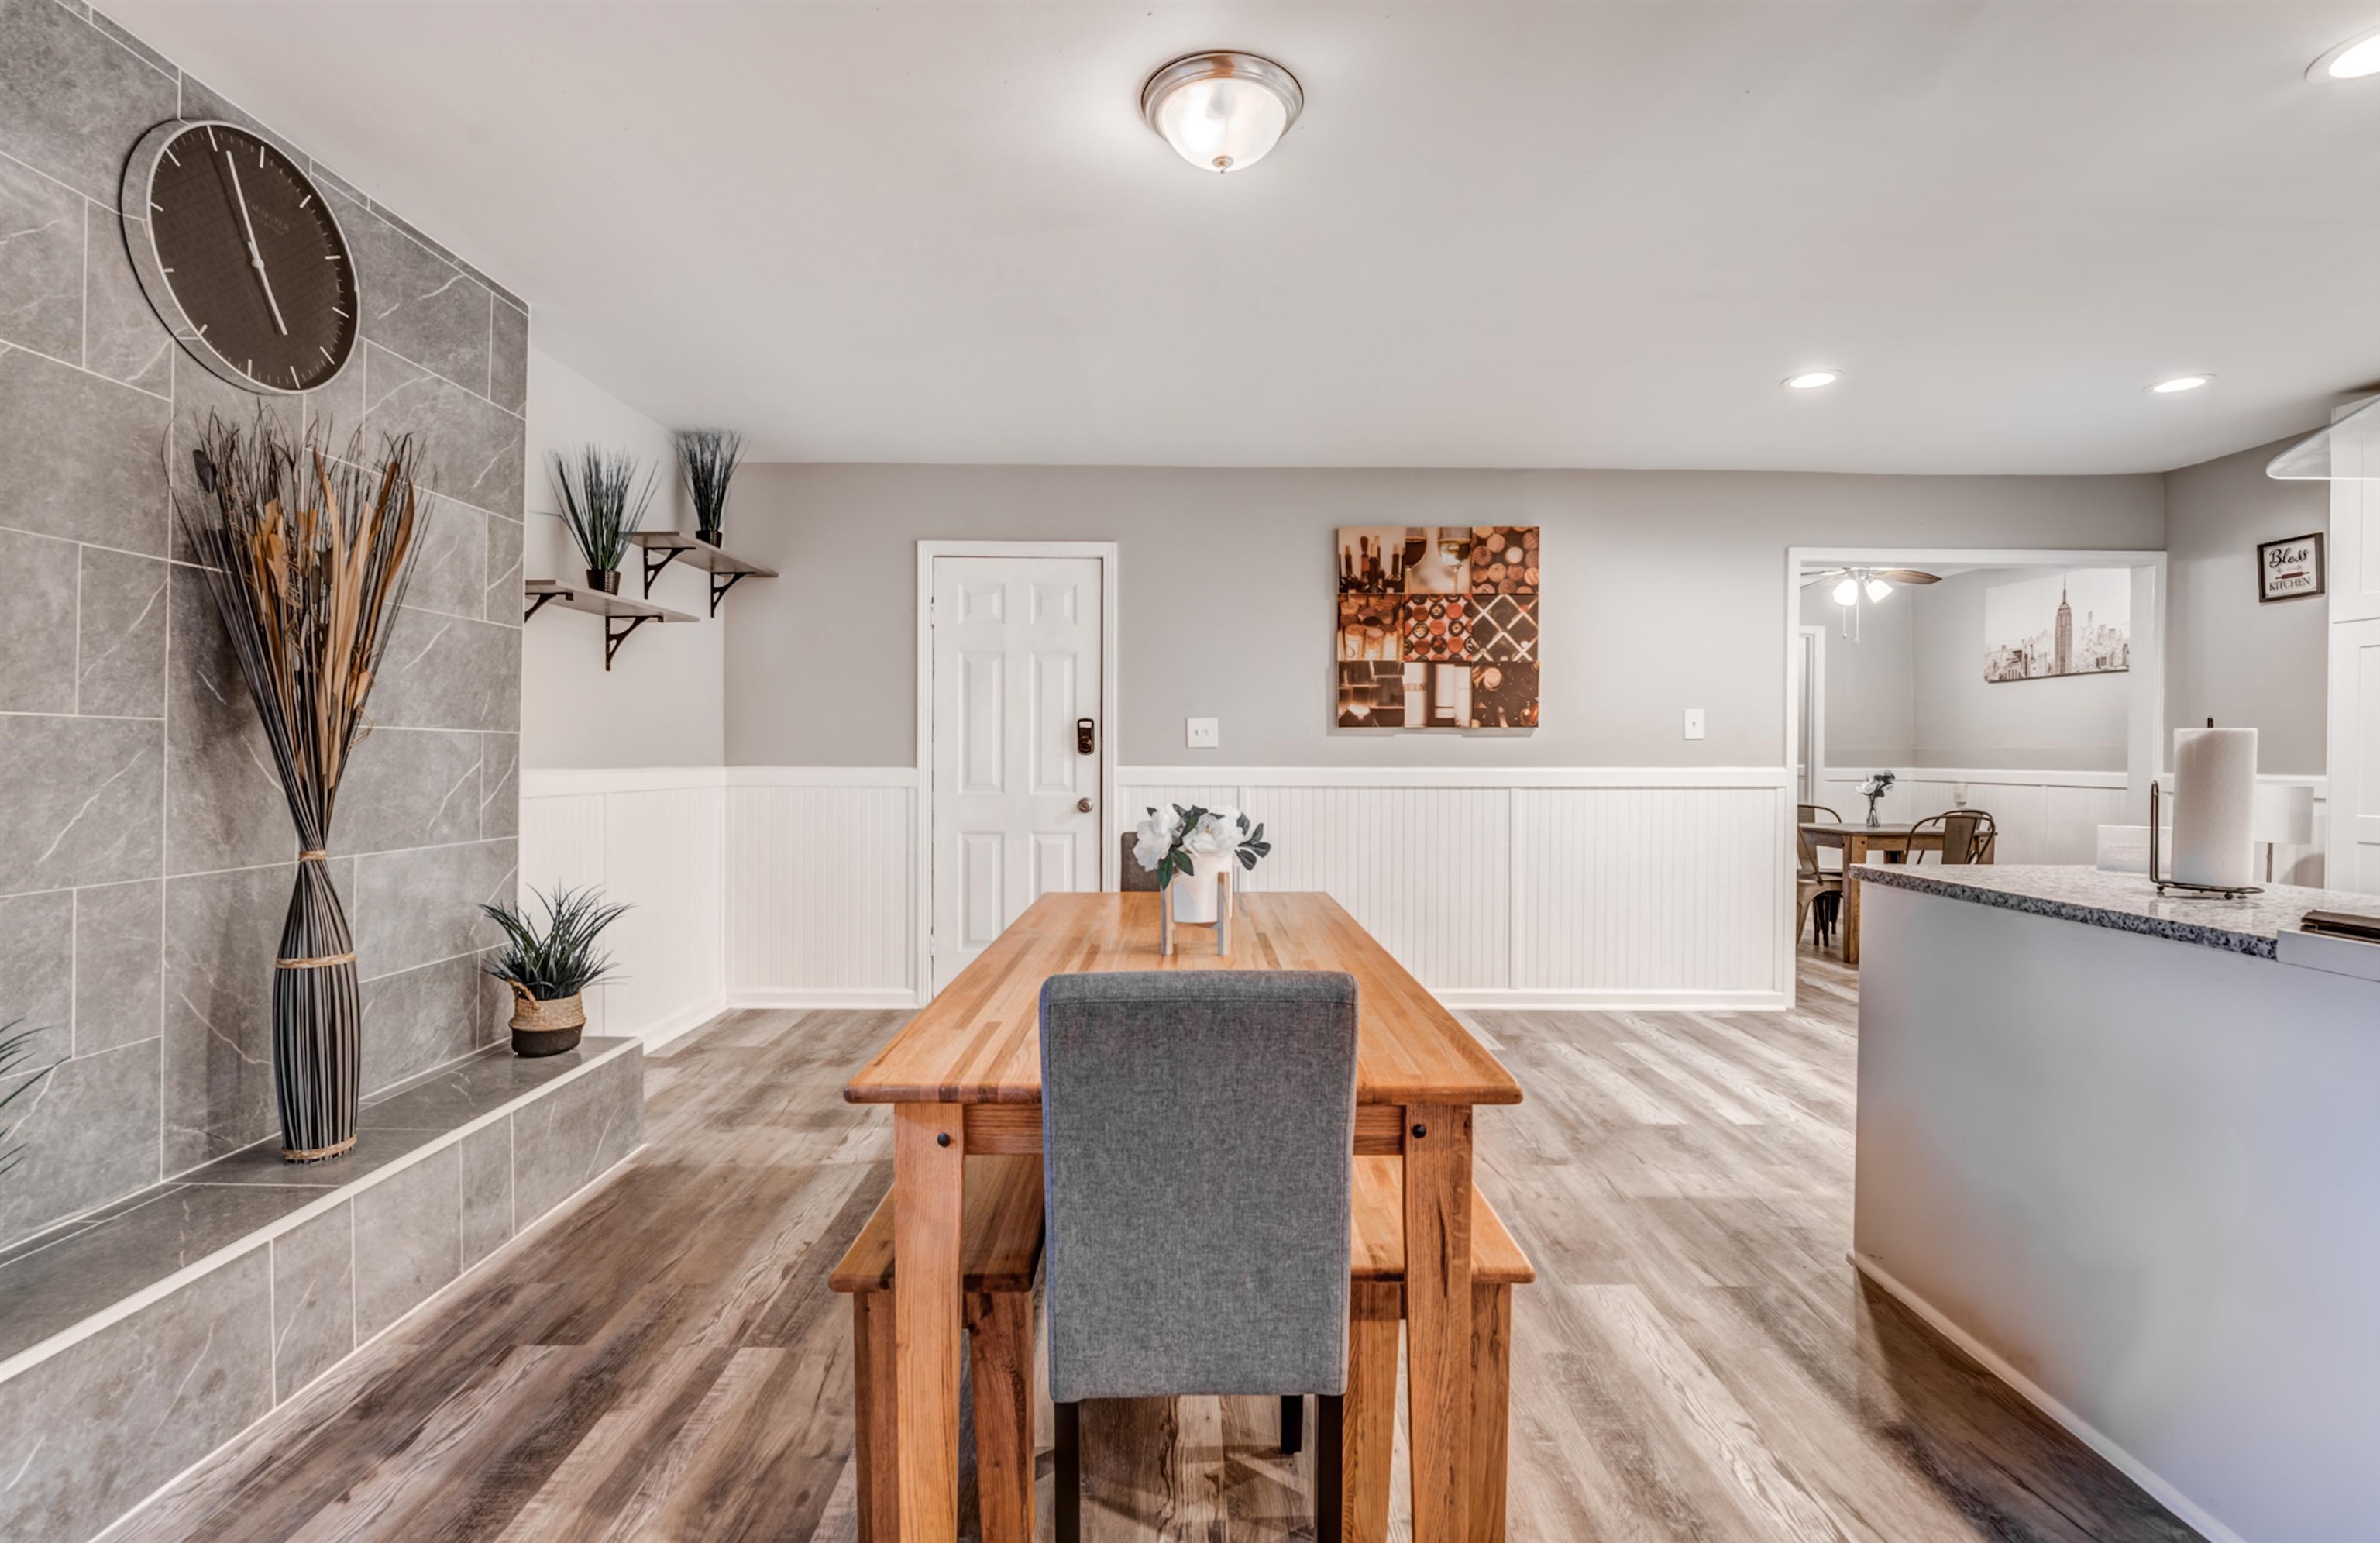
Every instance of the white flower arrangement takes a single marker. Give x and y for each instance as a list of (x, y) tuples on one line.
[(1165, 841)]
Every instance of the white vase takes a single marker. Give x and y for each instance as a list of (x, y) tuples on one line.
[(1197, 897)]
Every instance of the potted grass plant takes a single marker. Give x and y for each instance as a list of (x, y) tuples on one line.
[(706, 457), (305, 546), (15, 1049), (604, 505), (549, 965)]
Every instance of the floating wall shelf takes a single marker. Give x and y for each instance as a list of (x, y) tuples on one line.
[(662, 546), (621, 616)]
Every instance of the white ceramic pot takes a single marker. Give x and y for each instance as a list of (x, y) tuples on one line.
[(1199, 897)]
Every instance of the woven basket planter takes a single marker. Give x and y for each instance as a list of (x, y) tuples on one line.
[(546, 1027)]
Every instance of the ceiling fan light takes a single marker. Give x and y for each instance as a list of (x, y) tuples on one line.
[(1222, 112), (1847, 592), (1877, 589)]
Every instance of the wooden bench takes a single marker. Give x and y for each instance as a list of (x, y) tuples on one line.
[(1000, 1248), (1376, 1307)]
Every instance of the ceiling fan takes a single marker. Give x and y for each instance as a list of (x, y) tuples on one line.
[(1874, 584)]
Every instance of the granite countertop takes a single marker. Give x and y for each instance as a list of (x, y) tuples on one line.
[(2127, 902)]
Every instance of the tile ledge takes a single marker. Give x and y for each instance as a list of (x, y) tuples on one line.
[(328, 1197)]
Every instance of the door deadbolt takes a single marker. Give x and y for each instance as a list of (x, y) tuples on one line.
[(1083, 805), (1085, 736)]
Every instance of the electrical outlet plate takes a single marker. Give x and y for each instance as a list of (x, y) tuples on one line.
[(1693, 722), (1204, 733)]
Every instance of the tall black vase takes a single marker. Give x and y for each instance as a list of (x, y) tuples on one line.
[(317, 1016)]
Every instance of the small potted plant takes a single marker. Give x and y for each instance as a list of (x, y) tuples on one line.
[(549, 967), (15, 1049), (603, 506), (1187, 847), (706, 458), (1875, 788)]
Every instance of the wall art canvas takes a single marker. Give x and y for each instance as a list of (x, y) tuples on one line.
[(1438, 626), (2076, 623)]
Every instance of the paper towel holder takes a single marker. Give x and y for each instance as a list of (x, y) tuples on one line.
[(2227, 891)]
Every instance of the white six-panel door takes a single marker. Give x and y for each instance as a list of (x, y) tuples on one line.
[(1016, 651)]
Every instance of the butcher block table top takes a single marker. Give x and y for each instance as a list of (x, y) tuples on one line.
[(979, 1042)]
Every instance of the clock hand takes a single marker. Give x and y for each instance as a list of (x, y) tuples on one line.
[(255, 258)]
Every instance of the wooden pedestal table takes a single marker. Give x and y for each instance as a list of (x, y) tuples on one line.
[(1855, 841), (964, 1076)]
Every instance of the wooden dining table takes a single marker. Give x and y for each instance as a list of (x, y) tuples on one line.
[(1894, 839), (964, 1077)]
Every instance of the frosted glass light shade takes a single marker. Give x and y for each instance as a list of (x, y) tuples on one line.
[(1222, 112), (1847, 592), (1877, 589)]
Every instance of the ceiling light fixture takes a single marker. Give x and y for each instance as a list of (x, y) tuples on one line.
[(1811, 379), (1847, 592), (1223, 111), (1876, 590), (2351, 60), (2179, 383)]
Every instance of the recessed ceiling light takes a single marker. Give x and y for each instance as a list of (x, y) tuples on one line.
[(2179, 383), (1811, 379), (1223, 110), (2351, 60)]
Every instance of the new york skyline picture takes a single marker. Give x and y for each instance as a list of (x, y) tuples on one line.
[(2076, 623), (1437, 627)]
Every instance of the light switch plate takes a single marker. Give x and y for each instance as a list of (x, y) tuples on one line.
[(1693, 722), (1203, 734)]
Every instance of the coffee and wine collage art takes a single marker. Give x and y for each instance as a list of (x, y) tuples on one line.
[(1438, 626)]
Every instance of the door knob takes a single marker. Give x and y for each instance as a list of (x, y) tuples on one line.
[(1083, 805)]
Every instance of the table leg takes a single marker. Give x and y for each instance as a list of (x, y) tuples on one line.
[(929, 1190), (1374, 1308), (1438, 1318), (1854, 852)]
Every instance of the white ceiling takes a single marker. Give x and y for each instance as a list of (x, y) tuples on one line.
[(1502, 235)]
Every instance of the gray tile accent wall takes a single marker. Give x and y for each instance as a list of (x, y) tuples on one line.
[(145, 849), (91, 1430)]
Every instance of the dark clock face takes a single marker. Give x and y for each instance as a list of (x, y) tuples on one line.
[(250, 253)]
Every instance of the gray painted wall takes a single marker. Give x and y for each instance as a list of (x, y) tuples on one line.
[(146, 855), (1870, 683), (2232, 659), (1663, 590)]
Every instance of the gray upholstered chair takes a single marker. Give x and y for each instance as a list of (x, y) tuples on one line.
[(1197, 1133), (1137, 879)]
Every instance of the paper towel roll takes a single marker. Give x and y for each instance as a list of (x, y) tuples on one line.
[(2214, 806)]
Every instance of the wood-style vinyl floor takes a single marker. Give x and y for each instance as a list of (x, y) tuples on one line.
[(663, 1360)]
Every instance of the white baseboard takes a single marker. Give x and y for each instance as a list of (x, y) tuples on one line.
[(863, 997), (2075, 1425), (1616, 999)]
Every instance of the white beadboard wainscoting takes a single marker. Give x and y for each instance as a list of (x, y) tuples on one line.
[(796, 886), (655, 838), (2046, 816), (1519, 887)]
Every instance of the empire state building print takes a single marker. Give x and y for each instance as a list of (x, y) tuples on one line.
[(2045, 626)]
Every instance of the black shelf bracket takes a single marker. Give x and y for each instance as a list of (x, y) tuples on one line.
[(538, 602), (656, 559), (720, 584), (612, 639)]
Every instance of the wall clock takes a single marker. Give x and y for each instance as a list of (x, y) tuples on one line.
[(241, 255)]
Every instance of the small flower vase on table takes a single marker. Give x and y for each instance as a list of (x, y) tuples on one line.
[(1193, 851)]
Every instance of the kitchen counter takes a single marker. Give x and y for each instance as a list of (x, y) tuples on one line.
[(2121, 1150), (2127, 902)]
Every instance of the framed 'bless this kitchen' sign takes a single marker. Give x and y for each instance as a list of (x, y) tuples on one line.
[(2289, 569)]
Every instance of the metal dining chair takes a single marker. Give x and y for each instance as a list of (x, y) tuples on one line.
[(1197, 1137), (1818, 889), (1968, 837)]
